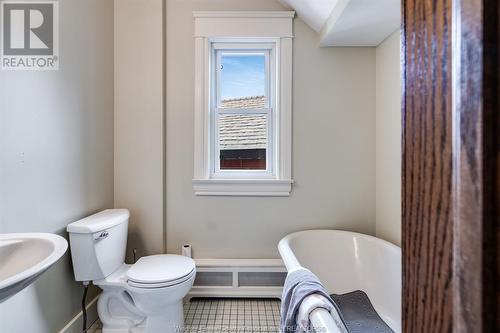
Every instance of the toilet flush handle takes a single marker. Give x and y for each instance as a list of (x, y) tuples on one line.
[(101, 235)]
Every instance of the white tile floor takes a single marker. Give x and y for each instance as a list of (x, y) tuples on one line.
[(219, 315)]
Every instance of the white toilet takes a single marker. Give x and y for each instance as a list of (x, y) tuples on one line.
[(143, 297)]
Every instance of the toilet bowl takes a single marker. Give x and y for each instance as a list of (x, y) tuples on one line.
[(143, 297)]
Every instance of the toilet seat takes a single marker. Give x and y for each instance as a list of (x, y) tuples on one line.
[(161, 284), (159, 271)]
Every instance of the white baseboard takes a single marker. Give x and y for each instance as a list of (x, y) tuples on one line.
[(75, 324), (227, 276)]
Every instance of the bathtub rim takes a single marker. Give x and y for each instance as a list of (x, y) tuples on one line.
[(291, 262)]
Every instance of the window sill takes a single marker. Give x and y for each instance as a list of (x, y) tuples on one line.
[(243, 187)]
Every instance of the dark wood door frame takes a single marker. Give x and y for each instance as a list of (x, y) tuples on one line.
[(451, 165)]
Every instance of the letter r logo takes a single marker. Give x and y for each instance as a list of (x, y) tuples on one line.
[(28, 28)]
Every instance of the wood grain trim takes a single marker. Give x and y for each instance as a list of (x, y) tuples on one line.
[(451, 166), (427, 166), (476, 185)]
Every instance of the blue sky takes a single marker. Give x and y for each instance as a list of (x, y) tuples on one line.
[(242, 76)]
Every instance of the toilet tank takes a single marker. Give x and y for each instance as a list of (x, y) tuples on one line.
[(98, 243)]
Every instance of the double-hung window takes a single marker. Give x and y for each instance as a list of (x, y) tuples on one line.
[(243, 95), (243, 103)]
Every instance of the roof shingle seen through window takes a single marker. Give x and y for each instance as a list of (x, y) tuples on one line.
[(254, 102), (243, 131)]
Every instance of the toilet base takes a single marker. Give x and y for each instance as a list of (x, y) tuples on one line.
[(171, 321), (119, 316), (118, 313), (126, 309)]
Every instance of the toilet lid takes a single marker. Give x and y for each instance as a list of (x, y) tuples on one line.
[(161, 284), (160, 268)]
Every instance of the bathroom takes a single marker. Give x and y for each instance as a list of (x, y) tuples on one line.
[(117, 123)]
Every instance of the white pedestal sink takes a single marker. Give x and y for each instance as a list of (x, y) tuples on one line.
[(24, 257)]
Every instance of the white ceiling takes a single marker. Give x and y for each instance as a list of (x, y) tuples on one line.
[(349, 22), (313, 12)]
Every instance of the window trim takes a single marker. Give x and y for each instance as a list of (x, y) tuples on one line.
[(230, 27)]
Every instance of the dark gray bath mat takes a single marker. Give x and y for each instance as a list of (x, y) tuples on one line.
[(359, 314)]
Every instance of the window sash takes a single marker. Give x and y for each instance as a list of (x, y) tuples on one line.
[(268, 49), (248, 173), (238, 51)]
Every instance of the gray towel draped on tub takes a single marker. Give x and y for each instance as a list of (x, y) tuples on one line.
[(352, 312), (299, 284)]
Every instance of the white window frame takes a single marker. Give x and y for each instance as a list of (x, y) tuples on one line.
[(269, 49), (239, 31)]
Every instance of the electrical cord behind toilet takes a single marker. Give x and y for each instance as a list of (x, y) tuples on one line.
[(84, 309)]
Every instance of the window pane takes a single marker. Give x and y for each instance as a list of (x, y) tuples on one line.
[(242, 141), (243, 80)]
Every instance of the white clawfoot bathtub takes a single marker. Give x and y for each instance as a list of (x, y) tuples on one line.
[(347, 261)]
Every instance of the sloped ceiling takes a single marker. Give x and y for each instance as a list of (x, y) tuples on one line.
[(349, 22), (314, 12)]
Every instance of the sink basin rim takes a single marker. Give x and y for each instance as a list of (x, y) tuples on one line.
[(60, 246)]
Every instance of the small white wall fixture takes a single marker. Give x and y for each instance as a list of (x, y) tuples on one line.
[(271, 26)]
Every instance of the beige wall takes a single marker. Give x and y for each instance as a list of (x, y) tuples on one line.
[(139, 109), (333, 150), (388, 150), (56, 145), (56, 156)]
